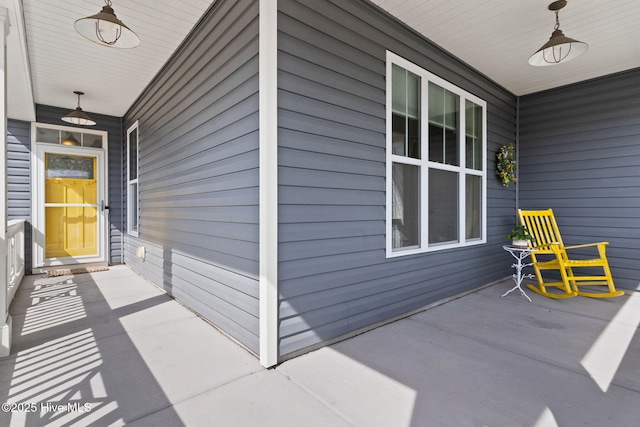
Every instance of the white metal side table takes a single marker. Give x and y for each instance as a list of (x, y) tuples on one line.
[(520, 254)]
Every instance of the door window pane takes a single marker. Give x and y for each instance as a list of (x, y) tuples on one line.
[(69, 166), (443, 206), (71, 231), (71, 191), (405, 205)]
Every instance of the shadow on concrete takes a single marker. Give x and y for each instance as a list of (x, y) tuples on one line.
[(483, 360), (73, 362)]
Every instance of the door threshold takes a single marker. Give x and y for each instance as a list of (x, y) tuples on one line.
[(69, 269)]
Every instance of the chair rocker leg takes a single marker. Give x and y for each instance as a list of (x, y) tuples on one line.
[(542, 290), (601, 295), (612, 291)]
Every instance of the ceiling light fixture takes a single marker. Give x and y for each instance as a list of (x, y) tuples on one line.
[(70, 140), (77, 116), (106, 29), (559, 48)]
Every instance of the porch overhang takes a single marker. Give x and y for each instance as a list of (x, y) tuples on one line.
[(20, 97)]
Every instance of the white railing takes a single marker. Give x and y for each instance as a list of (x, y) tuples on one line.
[(15, 256)]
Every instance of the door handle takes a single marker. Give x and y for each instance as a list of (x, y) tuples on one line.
[(103, 207)]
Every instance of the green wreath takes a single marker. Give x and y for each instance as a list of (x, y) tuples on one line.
[(506, 166)]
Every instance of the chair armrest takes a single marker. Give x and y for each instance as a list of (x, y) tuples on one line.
[(546, 248), (586, 245)]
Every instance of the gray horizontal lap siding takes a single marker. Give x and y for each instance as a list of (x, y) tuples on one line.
[(580, 155), (198, 175), (113, 126), (19, 178), (334, 276)]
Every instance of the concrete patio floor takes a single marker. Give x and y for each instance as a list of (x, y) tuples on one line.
[(109, 349)]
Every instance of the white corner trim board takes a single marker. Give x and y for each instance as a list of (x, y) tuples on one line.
[(268, 88)]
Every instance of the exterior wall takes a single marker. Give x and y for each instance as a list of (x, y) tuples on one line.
[(334, 275), (113, 125), (580, 155), (198, 172), (19, 178)]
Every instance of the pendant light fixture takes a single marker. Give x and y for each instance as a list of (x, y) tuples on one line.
[(106, 29), (77, 116), (559, 48), (70, 140)]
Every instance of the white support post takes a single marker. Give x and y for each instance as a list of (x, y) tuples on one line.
[(5, 319), (268, 88)]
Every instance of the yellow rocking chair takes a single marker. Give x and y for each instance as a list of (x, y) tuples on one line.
[(551, 254)]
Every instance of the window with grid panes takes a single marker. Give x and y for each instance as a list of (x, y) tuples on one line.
[(436, 168)]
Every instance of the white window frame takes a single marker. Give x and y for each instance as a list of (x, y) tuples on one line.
[(133, 228), (425, 165)]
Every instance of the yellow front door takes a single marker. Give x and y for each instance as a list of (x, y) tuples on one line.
[(71, 205)]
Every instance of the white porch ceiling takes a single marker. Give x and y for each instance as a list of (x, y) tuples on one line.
[(497, 37), (61, 61), (494, 36)]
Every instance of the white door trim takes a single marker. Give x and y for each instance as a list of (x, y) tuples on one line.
[(37, 196)]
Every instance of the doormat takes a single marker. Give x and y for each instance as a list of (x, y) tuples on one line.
[(70, 271)]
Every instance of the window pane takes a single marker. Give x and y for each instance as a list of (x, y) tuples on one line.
[(444, 125), (399, 134), (436, 104), (91, 140), (436, 143), (405, 205), (71, 138), (399, 93), (133, 207), (133, 154), (451, 147), (443, 206), (52, 136), (473, 133), (451, 109), (473, 216), (405, 113), (68, 137)]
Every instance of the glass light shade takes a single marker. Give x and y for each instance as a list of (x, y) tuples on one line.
[(106, 29), (558, 49), (70, 140), (79, 117)]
